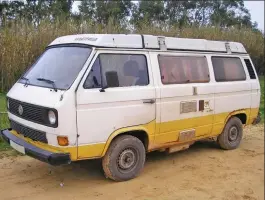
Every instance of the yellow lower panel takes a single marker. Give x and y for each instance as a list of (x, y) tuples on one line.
[(90, 151), (170, 130), (253, 114), (185, 123), (205, 126), (149, 128), (82, 152), (217, 128)]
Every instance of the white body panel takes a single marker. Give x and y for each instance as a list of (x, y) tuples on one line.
[(46, 97), (230, 96), (101, 113), (236, 95), (172, 95)]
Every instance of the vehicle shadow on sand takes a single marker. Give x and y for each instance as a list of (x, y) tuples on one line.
[(92, 169)]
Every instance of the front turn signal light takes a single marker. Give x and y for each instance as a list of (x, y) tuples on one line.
[(62, 140)]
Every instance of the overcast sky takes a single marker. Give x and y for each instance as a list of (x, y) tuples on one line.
[(256, 9)]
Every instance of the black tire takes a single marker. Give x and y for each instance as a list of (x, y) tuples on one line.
[(124, 159), (232, 134)]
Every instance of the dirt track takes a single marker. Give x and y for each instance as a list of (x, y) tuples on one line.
[(201, 172)]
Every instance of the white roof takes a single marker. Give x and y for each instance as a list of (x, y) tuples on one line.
[(134, 41)]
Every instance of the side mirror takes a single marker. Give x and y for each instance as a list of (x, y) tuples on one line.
[(111, 79)]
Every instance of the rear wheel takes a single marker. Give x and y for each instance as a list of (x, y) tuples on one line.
[(124, 159), (232, 134)]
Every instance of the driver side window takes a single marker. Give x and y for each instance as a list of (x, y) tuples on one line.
[(118, 70), (93, 79)]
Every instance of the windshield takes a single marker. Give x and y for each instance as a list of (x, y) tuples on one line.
[(59, 65)]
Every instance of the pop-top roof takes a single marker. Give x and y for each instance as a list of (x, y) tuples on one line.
[(134, 41)]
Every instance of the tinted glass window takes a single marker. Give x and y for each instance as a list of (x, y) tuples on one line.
[(183, 69), (127, 70), (228, 69), (250, 69), (94, 78), (131, 69)]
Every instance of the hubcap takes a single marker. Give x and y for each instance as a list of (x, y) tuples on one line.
[(127, 159), (233, 133)]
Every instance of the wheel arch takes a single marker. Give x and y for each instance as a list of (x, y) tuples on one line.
[(241, 114), (143, 133)]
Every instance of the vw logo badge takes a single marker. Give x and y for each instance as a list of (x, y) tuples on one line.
[(20, 109)]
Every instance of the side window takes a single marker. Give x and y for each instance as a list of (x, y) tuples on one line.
[(93, 79), (228, 69), (183, 69), (250, 69), (129, 70)]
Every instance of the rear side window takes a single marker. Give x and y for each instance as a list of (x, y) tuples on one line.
[(127, 70), (183, 69), (228, 69), (250, 69)]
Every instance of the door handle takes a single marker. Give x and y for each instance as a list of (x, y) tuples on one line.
[(151, 101)]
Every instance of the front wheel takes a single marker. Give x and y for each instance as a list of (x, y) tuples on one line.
[(124, 159), (232, 134)]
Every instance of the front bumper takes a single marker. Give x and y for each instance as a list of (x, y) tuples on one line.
[(36, 152)]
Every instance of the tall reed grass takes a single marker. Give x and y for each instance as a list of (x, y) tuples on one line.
[(21, 42)]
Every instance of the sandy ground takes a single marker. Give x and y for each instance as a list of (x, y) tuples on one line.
[(201, 172)]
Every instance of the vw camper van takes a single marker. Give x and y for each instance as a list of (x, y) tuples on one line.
[(117, 97)]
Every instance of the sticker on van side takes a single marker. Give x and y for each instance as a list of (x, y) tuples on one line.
[(86, 38), (188, 106)]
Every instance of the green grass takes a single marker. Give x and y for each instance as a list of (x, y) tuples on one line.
[(3, 121), (2, 102), (3, 117), (4, 146)]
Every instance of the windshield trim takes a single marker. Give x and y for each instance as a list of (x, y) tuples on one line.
[(69, 45), (20, 80)]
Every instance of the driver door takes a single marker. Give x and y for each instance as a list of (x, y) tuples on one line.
[(101, 112)]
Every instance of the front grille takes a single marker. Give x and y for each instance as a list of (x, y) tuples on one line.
[(30, 112), (34, 113), (29, 132)]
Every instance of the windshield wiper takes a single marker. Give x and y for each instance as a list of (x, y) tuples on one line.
[(26, 79), (48, 81)]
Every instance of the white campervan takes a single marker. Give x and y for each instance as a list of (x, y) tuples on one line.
[(117, 97)]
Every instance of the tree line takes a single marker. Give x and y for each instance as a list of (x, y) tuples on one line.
[(28, 26), (130, 14)]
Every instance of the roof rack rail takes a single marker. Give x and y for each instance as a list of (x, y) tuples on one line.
[(162, 43), (227, 46)]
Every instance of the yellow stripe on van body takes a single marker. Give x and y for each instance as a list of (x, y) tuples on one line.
[(92, 150), (221, 119), (170, 130), (253, 114), (84, 151), (149, 128), (218, 120), (156, 141)]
